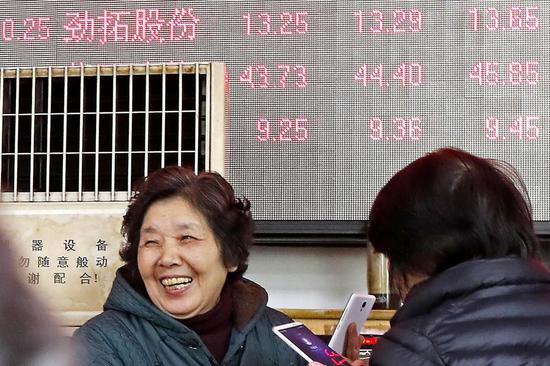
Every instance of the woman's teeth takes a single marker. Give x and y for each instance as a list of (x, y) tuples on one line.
[(176, 282)]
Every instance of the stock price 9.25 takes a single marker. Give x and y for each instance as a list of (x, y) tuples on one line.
[(282, 129)]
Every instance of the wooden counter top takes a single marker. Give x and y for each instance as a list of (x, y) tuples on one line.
[(320, 321)]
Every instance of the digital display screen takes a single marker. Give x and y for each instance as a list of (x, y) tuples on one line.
[(328, 99), (313, 346)]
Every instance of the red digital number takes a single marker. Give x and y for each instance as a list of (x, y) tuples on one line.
[(301, 22), (264, 77), (246, 76), (36, 24), (525, 128), (401, 128), (258, 76), (415, 18), (398, 19), (491, 128), (531, 72), (285, 130), (285, 125), (8, 26), (284, 23), (376, 73), (521, 128), (404, 20), (378, 20), (531, 19), (284, 75), (514, 18), (262, 126), (515, 73), (301, 75), (408, 74), (286, 19), (266, 22), (377, 129), (301, 129)]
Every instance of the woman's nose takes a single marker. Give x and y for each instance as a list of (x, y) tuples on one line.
[(170, 255)]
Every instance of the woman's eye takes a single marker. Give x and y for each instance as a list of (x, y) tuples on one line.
[(149, 243), (187, 237)]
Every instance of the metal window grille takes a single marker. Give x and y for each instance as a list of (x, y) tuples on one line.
[(88, 133)]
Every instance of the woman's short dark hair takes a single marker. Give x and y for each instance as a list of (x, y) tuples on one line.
[(448, 207), (228, 217)]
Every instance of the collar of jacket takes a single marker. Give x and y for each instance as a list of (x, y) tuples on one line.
[(248, 299), (467, 277)]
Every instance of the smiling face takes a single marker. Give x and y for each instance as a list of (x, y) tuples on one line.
[(179, 259)]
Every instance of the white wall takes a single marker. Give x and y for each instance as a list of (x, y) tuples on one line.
[(309, 277), (294, 277)]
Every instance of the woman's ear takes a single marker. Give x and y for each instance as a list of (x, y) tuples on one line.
[(232, 269)]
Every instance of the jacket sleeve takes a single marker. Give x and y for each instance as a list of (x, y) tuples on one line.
[(94, 349), (405, 347)]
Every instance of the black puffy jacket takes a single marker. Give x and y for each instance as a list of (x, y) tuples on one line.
[(481, 312)]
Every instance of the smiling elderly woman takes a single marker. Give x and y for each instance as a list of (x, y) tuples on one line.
[(180, 299)]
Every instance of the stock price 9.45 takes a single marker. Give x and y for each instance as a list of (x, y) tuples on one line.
[(522, 128)]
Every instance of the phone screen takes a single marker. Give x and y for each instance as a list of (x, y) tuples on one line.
[(313, 346)]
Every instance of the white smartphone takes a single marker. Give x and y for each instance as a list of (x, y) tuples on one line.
[(308, 345), (356, 311)]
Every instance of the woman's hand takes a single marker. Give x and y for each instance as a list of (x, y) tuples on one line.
[(353, 342), (351, 348)]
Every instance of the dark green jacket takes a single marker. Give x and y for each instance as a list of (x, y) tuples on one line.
[(133, 331)]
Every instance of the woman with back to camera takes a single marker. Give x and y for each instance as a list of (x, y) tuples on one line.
[(458, 235), (180, 298)]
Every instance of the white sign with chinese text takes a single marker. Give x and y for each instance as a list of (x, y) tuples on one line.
[(66, 251)]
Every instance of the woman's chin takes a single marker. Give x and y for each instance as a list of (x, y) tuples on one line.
[(176, 302), (179, 310)]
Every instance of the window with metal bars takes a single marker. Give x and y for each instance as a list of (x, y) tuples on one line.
[(89, 133)]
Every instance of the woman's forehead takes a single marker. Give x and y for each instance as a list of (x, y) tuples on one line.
[(176, 212)]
